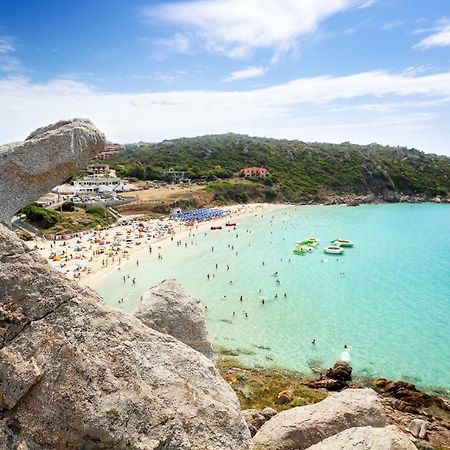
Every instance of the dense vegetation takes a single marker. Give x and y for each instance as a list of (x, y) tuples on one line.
[(41, 217), (298, 170), (68, 219)]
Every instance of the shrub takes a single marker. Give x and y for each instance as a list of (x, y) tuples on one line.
[(100, 211), (45, 217), (68, 206)]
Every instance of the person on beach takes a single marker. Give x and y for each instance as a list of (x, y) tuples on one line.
[(217, 266), (313, 342), (207, 276), (124, 279), (134, 280), (241, 299), (228, 267)]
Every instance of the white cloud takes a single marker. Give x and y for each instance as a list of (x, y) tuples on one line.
[(8, 62), (439, 38), (392, 25), (6, 45), (249, 72), (305, 108), (178, 43), (236, 28)]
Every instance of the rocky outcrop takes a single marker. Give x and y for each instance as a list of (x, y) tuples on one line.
[(255, 419), (285, 397), (301, 427), (408, 394), (46, 158), (367, 438), (418, 428), (74, 373), (168, 309), (335, 378)]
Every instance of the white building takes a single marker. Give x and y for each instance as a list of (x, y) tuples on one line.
[(96, 183)]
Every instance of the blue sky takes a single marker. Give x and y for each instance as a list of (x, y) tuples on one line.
[(316, 70)]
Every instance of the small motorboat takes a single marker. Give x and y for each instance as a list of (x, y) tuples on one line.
[(216, 228), (334, 250), (342, 243)]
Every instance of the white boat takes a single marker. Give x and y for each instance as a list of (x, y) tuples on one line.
[(334, 250)]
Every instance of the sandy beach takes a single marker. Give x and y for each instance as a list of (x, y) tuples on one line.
[(91, 256)]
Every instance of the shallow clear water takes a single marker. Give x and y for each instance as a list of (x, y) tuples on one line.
[(388, 298)]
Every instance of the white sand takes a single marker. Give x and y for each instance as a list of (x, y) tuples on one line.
[(89, 257)]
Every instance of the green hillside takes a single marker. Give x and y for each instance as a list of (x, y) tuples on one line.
[(299, 171)]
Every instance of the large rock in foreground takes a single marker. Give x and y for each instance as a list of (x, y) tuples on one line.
[(367, 438), (168, 309), (74, 373), (301, 427), (46, 158)]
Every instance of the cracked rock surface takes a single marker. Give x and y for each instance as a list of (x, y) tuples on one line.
[(45, 159), (299, 428), (169, 309), (74, 373)]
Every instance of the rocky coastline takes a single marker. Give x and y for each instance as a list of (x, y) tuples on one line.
[(278, 389), (386, 197), (76, 373)]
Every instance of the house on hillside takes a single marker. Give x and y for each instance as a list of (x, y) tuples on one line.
[(110, 149), (99, 183), (254, 172), (98, 169), (175, 176)]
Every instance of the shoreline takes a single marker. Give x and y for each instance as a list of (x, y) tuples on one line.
[(224, 356), (259, 388), (85, 258)]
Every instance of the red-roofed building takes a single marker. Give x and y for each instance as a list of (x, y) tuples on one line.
[(110, 149), (254, 172)]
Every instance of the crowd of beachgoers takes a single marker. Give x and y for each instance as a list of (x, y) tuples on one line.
[(98, 252)]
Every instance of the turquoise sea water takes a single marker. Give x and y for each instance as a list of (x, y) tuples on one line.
[(387, 299)]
